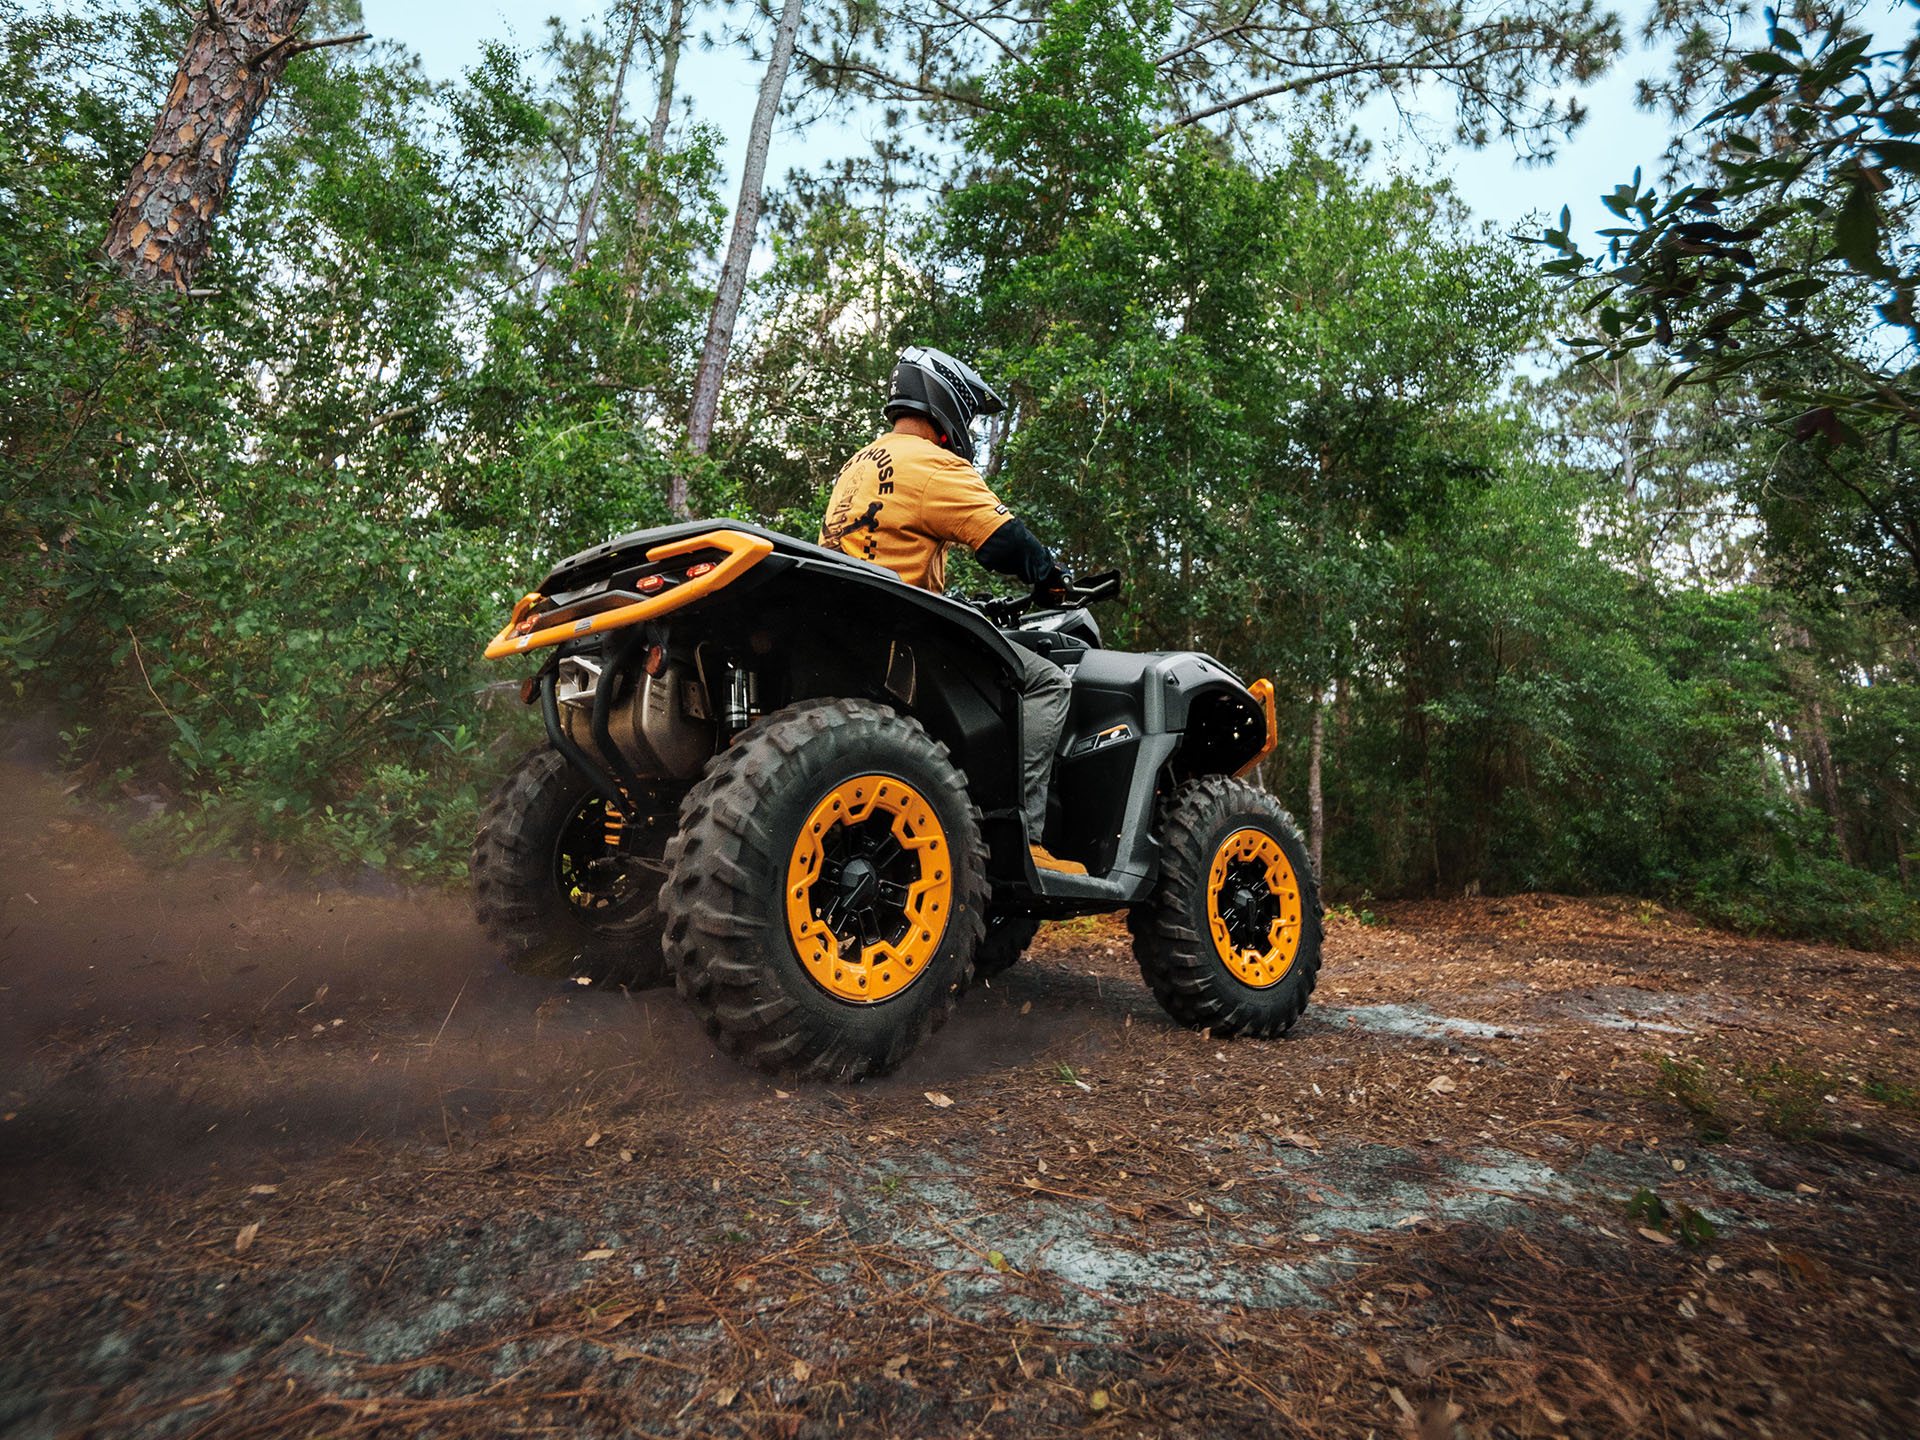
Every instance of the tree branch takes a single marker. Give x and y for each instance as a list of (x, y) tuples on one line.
[(1302, 82), (306, 45), (905, 89)]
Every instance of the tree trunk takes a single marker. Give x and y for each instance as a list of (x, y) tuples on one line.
[(733, 273), (669, 62), (1829, 776), (604, 160), (163, 225), (663, 109), (1316, 804)]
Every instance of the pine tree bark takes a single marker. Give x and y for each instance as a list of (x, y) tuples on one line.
[(733, 272), (163, 225)]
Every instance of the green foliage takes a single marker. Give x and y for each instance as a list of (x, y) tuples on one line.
[(255, 540), (258, 538), (1787, 267)]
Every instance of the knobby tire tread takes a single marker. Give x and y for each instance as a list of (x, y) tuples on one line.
[(515, 899), (724, 860), (1176, 959)]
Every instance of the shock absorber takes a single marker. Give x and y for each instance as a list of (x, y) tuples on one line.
[(615, 826), (742, 703)]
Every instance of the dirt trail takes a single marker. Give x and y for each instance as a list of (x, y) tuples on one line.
[(278, 1162)]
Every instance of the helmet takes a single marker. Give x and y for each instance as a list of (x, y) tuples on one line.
[(945, 392)]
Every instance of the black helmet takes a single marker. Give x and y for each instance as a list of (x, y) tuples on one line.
[(946, 392)]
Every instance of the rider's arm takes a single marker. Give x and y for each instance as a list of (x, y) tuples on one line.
[(958, 506), (1013, 550)]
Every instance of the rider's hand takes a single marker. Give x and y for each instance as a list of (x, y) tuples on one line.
[(1053, 590)]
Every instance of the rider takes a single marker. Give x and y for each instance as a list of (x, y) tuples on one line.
[(913, 492)]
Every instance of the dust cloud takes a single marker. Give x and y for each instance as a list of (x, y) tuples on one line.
[(171, 1024)]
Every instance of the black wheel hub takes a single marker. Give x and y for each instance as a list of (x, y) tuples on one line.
[(596, 854), (864, 883), (1248, 905)]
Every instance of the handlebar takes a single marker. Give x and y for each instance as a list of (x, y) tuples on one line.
[(1090, 591)]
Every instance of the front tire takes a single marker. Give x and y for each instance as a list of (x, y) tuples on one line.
[(1230, 941), (827, 891), (554, 882)]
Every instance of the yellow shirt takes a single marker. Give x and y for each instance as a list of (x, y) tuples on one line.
[(902, 501)]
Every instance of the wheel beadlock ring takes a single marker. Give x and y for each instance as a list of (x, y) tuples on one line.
[(1253, 908), (871, 858)]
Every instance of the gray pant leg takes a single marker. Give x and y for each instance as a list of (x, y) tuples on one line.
[(1044, 689)]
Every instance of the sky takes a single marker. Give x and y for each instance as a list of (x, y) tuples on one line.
[(1617, 137)]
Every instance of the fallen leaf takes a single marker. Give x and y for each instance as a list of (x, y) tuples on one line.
[(726, 1395), (626, 1157), (243, 1242), (783, 1095), (896, 1368), (937, 1100), (1442, 1085), (1097, 1400), (1408, 1222), (593, 1139), (1027, 1009), (1194, 1207), (264, 1190), (802, 1371), (1305, 1142), (1400, 1399), (1659, 1237), (598, 1255), (996, 1260), (1805, 1189)]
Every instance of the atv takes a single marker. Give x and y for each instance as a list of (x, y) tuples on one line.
[(791, 781)]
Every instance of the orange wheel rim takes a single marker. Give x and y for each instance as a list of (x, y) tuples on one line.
[(869, 889), (1253, 908)]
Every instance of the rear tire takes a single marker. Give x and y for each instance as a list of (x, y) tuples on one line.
[(1230, 940), (545, 889), (768, 908), (1006, 940)]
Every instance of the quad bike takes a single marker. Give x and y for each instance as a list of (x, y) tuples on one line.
[(793, 781)]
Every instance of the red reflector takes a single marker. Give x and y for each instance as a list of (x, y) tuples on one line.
[(694, 572), (647, 584), (656, 659)]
